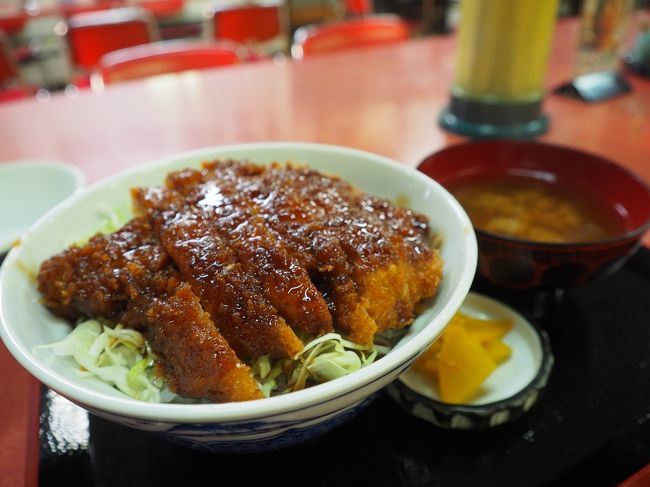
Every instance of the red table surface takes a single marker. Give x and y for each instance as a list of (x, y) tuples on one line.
[(385, 100), (19, 407)]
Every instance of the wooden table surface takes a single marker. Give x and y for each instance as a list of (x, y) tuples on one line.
[(384, 100)]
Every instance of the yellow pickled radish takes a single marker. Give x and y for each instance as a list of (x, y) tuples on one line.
[(459, 319), (428, 367), (499, 351), (487, 330), (427, 363), (476, 349), (463, 366)]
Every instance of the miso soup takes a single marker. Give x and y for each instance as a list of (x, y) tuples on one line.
[(533, 209)]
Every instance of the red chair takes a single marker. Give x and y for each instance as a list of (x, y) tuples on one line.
[(8, 67), (12, 24), (347, 34), (11, 83), (167, 57), (260, 27), (91, 35)]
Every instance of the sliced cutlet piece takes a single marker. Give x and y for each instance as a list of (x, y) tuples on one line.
[(195, 357), (387, 249), (232, 296), (98, 279), (126, 277), (394, 289), (301, 216), (286, 283)]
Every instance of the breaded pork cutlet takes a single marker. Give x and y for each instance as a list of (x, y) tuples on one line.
[(393, 288), (372, 260), (126, 277), (298, 220), (105, 277), (257, 247), (228, 263), (233, 297)]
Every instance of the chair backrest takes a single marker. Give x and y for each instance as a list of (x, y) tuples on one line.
[(12, 85), (347, 34), (8, 67), (167, 57), (358, 7), (260, 26), (159, 8), (13, 23), (91, 35), (68, 9)]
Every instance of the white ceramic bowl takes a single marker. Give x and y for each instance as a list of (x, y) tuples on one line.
[(252, 425), (28, 189)]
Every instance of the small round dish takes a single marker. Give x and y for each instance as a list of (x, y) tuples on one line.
[(511, 390), (28, 189)]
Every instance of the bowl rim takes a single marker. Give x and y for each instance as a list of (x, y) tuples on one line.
[(16, 166), (78, 176), (629, 235), (261, 408)]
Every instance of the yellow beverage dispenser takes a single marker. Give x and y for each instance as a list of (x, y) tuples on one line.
[(502, 54)]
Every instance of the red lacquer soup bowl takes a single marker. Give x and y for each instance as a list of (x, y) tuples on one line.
[(526, 262)]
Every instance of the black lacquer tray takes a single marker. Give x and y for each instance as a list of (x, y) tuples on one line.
[(591, 426)]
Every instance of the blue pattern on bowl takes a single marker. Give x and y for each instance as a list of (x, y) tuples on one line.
[(247, 436)]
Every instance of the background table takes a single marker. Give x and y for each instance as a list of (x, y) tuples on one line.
[(384, 100)]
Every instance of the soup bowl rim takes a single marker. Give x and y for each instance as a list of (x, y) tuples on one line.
[(619, 238)]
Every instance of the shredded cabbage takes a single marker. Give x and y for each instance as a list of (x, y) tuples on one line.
[(122, 358), (113, 218), (323, 359), (118, 356)]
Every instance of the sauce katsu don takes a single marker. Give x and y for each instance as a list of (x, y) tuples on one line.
[(236, 261)]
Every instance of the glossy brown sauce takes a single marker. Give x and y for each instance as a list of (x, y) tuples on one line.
[(236, 261), (128, 278)]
